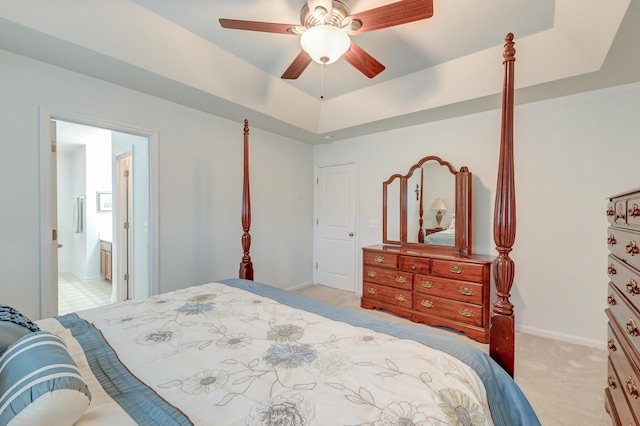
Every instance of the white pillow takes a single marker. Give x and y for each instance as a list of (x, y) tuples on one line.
[(40, 384), (452, 224)]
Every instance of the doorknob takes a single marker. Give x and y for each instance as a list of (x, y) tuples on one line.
[(59, 245), (351, 234)]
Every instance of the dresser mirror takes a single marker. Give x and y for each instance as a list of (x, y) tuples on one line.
[(432, 209)]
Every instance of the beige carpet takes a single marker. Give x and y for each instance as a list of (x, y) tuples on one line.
[(564, 382)]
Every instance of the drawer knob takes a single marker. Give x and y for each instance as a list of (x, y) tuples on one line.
[(611, 211), (611, 300), (611, 382), (611, 345), (379, 259), (466, 313), (611, 270), (456, 269), (413, 267), (631, 248), (634, 211), (611, 240), (632, 287), (426, 284), (401, 279), (427, 303), (631, 328), (400, 298), (631, 388), (372, 274), (466, 291), (371, 290)]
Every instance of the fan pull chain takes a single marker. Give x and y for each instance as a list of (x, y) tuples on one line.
[(322, 81)]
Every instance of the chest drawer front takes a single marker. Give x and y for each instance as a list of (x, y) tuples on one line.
[(625, 315), (625, 245), (633, 212), (393, 296), (397, 279), (626, 279), (457, 270), (383, 260), (417, 264), (626, 374), (450, 309), (462, 291), (616, 387)]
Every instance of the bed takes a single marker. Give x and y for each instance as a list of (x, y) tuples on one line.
[(240, 352)]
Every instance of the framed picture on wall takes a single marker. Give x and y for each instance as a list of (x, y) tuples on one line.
[(104, 202)]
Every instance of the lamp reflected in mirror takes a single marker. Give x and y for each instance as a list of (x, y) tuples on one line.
[(438, 206)]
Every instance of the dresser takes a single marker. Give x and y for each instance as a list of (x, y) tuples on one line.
[(429, 286), (622, 394), (106, 259)]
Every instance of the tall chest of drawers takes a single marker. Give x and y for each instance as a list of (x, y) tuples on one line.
[(622, 393), (429, 286)]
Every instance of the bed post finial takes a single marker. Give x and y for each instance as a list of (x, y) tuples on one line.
[(246, 266), (501, 341)]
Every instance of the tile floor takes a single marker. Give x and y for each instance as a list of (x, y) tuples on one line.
[(75, 294)]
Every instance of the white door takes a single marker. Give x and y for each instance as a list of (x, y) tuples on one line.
[(336, 253), (124, 228)]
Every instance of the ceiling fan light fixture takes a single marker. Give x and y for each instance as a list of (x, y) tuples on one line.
[(325, 43)]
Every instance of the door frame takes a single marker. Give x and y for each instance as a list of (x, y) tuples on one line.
[(48, 264)]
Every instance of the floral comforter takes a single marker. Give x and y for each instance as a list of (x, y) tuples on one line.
[(220, 355)]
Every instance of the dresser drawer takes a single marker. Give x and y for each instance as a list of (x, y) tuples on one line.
[(611, 212), (457, 270), (626, 279), (450, 309), (388, 277), (462, 291), (393, 296), (626, 373), (633, 212), (616, 389), (383, 260), (625, 315), (418, 264), (625, 245)]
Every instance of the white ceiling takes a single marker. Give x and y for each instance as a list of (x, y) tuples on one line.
[(437, 68)]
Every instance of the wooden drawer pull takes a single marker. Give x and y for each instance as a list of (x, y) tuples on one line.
[(466, 313), (466, 291), (400, 298), (371, 290), (426, 284), (401, 279), (632, 287), (413, 267), (634, 211), (611, 345), (611, 240), (611, 300), (611, 270), (631, 248), (611, 382), (456, 269), (631, 328), (372, 274), (611, 211), (427, 303), (379, 259), (631, 388)]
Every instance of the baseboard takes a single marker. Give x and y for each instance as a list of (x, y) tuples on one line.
[(563, 337), (300, 286)]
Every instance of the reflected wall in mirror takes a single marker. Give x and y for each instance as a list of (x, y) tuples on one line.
[(434, 207)]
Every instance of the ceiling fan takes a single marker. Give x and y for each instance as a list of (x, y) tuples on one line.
[(326, 26)]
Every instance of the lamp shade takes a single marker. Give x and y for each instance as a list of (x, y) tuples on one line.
[(325, 43), (438, 205)]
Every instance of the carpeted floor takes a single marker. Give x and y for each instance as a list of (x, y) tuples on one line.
[(564, 382)]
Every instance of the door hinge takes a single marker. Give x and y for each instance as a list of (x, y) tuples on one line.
[(316, 265), (126, 277), (53, 146), (316, 221), (317, 180), (126, 173), (54, 235), (126, 225)]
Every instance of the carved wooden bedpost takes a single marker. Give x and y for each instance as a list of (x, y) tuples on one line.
[(246, 266), (501, 343)]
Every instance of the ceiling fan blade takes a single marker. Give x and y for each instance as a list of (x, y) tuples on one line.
[(325, 4), (299, 64), (266, 27), (393, 14), (367, 64)]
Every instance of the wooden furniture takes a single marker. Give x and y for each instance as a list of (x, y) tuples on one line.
[(623, 267), (106, 262), (502, 317), (432, 287)]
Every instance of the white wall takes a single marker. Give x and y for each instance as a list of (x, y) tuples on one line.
[(200, 184), (570, 154)]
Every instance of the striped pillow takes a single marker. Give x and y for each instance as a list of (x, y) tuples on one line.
[(40, 383)]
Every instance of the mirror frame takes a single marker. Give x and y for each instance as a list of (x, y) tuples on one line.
[(463, 222)]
